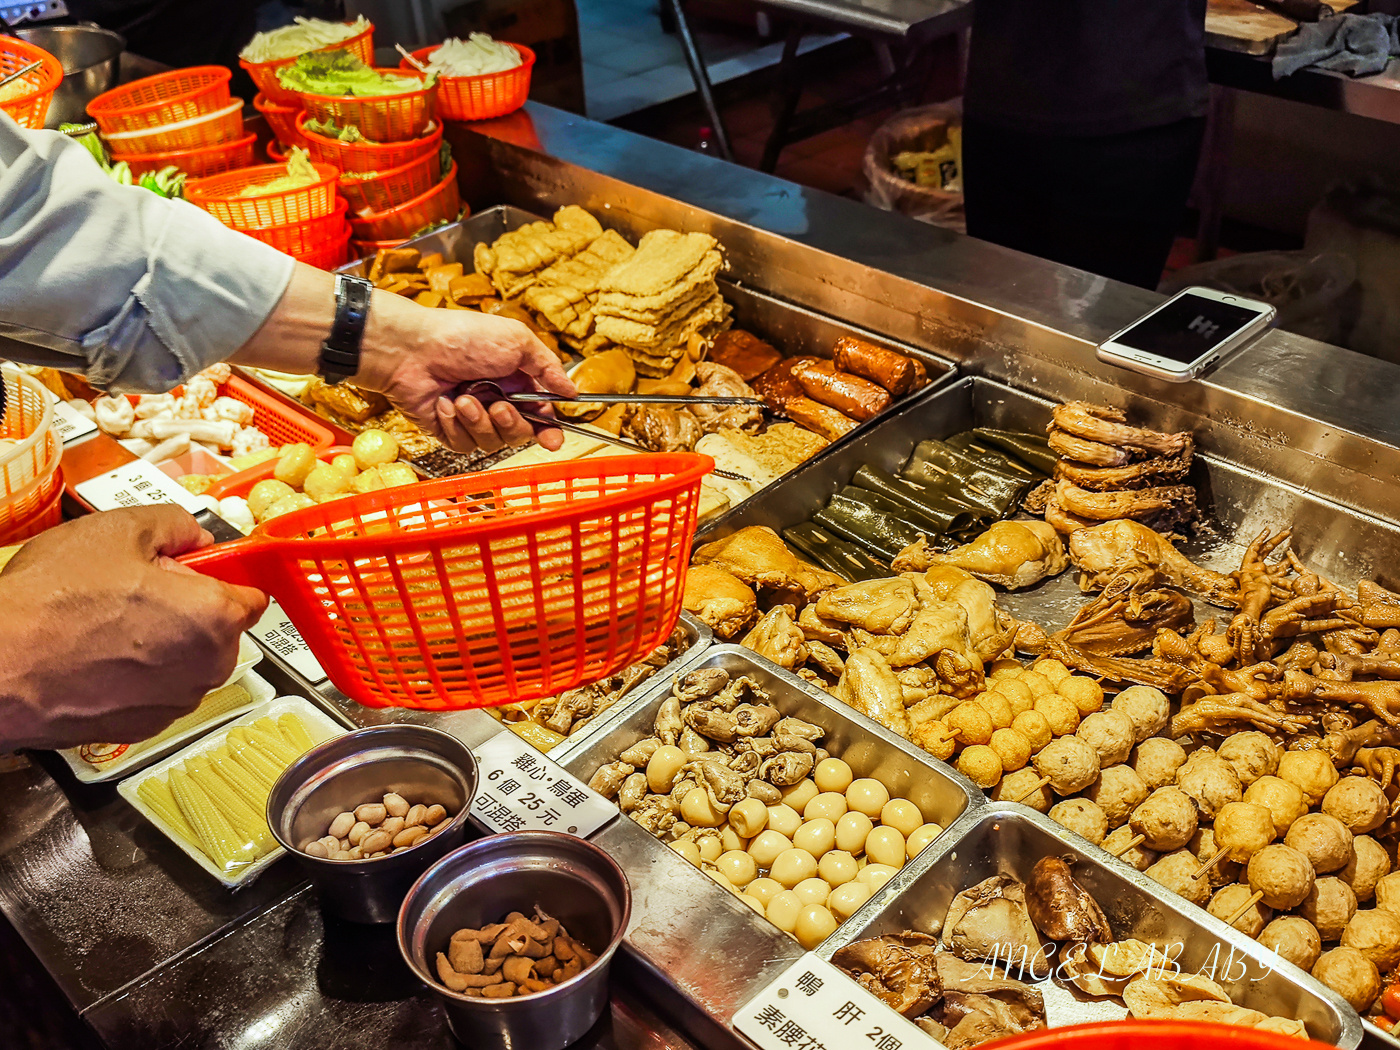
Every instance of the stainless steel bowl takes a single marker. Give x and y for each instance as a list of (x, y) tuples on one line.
[(421, 764), (90, 57), (572, 880)]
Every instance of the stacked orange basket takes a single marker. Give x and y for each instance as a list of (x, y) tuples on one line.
[(307, 222), (380, 118), (31, 482), (185, 117), (480, 97), (264, 74), (441, 204), (282, 119), (366, 156), (27, 98)]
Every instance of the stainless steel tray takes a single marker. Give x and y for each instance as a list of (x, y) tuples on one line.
[(1009, 840)]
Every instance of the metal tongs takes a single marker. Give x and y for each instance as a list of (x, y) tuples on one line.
[(21, 72), (488, 393)]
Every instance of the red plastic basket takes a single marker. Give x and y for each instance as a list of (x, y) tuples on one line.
[(161, 99), (276, 152), (389, 189), (282, 421), (310, 235), (199, 163), (209, 129), (367, 156), (218, 195), (264, 74), (1166, 1035), (442, 202), (330, 255), (29, 107), (481, 97), (281, 119), (46, 513), (482, 589), (380, 118)]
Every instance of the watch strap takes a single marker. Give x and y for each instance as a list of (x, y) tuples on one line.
[(340, 351)]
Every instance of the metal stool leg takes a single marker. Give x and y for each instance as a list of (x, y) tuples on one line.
[(789, 92), (698, 73)]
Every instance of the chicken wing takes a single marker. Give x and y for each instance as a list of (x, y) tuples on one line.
[(1106, 551), (869, 686), (1013, 554), (777, 638), (720, 599), (878, 606), (758, 556)]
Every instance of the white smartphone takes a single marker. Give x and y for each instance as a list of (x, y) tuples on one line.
[(1189, 332)]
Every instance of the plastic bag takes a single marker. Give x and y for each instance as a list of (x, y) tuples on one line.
[(921, 130)]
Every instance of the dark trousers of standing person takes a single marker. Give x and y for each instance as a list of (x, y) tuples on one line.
[(1109, 204)]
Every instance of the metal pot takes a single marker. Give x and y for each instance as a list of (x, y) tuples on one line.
[(572, 880), (421, 764), (90, 56)]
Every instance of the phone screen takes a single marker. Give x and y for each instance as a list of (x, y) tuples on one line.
[(1187, 328)]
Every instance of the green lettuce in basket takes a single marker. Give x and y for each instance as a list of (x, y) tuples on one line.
[(342, 73)]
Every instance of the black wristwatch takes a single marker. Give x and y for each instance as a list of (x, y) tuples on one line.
[(340, 352)]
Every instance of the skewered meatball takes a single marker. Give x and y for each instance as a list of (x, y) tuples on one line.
[(1251, 755), (1110, 733), (1369, 864), (1138, 856), (1166, 821), (1329, 906), (1375, 933), (1157, 761), (1082, 817), (1323, 839), (1069, 763), (1281, 798), (1282, 875), (1118, 791), (1229, 900), (1211, 783), (1244, 829), (1148, 709), (1013, 788), (1204, 845), (1358, 802), (1297, 940), (1311, 770), (1174, 871), (1351, 975)]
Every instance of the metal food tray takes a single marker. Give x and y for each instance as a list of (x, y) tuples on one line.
[(1010, 839)]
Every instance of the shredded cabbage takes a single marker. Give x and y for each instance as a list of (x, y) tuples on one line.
[(300, 172), (305, 34), (473, 57)]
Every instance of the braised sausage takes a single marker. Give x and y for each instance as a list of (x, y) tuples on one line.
[(777, 386), (856, 397), (895, 372), (745, 353), (818, 418)]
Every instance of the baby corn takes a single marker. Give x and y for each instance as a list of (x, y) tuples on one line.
[(222, 844)]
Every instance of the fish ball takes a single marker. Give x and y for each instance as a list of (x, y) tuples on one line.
[(1166, 821), (738, 867), (1323, 839), (1244, 828), (876, 875), (783, 819), (1012, 749), (763, 889), (1388, 892), (980, 765), (1069, 763), (664, 768), (1295, 939), (1147, 708), (1329, 906), (1281, 798), (687, 849), (1311, 770), (885, 846), (1175, 871), (902, 815), (699, 811), (326, 480), (834, 775), (1251, 756), (783, 910), (1229, 900), (1084, 693), (287, 505), (971, 722), (1358, 802), (748, 817), (1282, 874), (814, 925), (1037, 683), (346, 463), (852, 831), (1033, 726), (934, 736), (1211, 783), (373, 448), (837, 867), (1117, 792), (815, 836), (294, 464), (921, 837), (767, 846), (1369, 864), (1082, 817), (265, 493), (998, 709), (1375, 933), (830, 805), (812, 891), (1351, 975), (1052, 669), (1110, 733), (800, 794), (1157, 761), (793, 865), (867, 796), (1061, 715), (1004, 667), (1138, 856), (1024, 786), (1017, 694), (846, 900)]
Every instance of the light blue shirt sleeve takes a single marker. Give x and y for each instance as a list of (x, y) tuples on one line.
[(135, 291)]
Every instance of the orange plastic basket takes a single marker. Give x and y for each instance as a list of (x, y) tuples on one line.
[(367, 156), (218, 195), (388, 189), (199, 163), (162, 99), (281, 119), (264, 74), (300, 238), (46, 512), (331, 254), (284, 423), (481, 97), (1164, 1035), (276, 152), (214, 128), (441, 203), (482, 589), (30, 107), (380, 118)]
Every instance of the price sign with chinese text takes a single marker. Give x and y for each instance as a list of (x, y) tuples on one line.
[(280, 637), (70, 424), (135, 484), (521, 790)]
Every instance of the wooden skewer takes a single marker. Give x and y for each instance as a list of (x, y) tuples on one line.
[(1211, 863), (1135, 840), (1040, 784), (1254, 899)]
